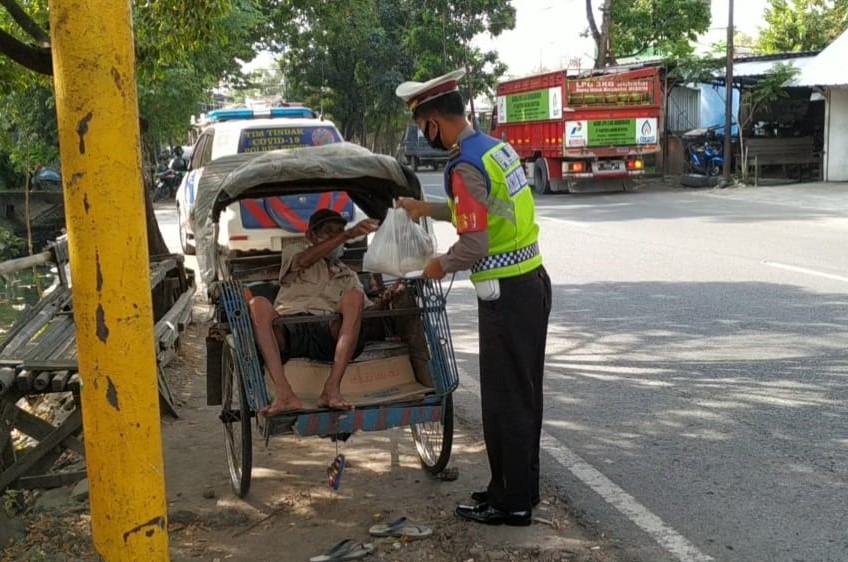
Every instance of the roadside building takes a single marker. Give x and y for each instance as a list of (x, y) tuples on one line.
[(828, 75)]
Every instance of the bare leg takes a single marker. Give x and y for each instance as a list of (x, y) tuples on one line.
[(262, 315), (346, 333)]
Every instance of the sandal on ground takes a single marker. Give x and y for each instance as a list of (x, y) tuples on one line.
[(348, 549), (403, 527), (335, 472)]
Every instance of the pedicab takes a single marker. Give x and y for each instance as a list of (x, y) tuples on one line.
[(407, 373)]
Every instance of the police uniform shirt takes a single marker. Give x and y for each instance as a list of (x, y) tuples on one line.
[(470, 198)]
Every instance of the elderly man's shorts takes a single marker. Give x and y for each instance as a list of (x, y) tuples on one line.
[(313, 340)]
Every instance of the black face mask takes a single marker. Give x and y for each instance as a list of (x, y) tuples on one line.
[(435, 143)]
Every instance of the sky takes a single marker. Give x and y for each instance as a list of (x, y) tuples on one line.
[(547, 32)]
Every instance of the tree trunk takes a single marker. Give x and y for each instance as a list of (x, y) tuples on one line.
[(31, 57), (375, 138), (593, 27), (155, 242), (604, 54)]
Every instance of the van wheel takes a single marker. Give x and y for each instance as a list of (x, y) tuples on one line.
[(415, 163), (188, 249), (541, 185)]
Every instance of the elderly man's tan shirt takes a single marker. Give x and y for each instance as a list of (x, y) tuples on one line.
[(317, 289)]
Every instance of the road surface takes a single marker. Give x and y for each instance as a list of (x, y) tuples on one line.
[(697, 368)]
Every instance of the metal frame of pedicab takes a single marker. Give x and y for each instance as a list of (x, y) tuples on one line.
[(235, 374)]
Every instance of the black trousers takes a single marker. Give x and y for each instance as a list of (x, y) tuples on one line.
[(513, 331)]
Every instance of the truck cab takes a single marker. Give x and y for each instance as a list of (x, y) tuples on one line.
[(415, 151)]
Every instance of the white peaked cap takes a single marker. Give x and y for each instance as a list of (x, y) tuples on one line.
[(416, 93)]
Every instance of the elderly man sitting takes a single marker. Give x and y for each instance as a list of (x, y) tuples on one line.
[(314, 281)]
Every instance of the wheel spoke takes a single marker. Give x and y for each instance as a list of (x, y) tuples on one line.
[(236, 420), (430, 441), (434, 440)]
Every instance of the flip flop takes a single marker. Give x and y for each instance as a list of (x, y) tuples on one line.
[(348, 549), (335, 471), (403, 527)]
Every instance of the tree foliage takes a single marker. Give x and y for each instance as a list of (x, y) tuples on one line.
[(692, 69), (632, 27), (770, 89), (802, 25), (182, 52), (347, 58)]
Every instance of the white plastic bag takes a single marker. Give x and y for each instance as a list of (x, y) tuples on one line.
[(399, 246)]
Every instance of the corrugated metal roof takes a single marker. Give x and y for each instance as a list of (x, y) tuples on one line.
[(754, 69), (749, 70), (828, 69)]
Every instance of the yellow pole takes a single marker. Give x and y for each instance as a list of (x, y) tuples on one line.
[(99, 138)]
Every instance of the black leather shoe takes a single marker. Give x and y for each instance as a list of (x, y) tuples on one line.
[(488, 515), (482, 497)]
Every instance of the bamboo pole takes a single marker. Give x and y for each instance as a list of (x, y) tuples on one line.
[(26, 262)]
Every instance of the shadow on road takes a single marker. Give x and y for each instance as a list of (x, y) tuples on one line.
[(752, 347), (673, 204), (721, 406)]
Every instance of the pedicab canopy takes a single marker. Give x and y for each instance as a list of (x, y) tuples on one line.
[(373, 181)]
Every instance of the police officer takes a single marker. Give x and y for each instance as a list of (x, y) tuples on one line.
[(492, 208)]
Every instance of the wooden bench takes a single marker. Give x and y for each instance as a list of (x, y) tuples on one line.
[(39, 356), (782, 151)]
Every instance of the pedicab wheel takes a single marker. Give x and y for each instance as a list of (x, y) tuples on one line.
[(236, 418), (433, 440)]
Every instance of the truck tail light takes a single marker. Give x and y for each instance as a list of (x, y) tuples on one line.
[(576, 167), (239, 238), (635, 165)]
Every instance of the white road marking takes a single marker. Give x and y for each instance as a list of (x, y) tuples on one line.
[(806, 271), (562, 221), (672, 541)]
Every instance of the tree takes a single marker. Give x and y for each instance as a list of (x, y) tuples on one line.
[(28, 129), (632, 27), (802, 25), (348, 60), (180, 55), (743, 44), (768, 90)]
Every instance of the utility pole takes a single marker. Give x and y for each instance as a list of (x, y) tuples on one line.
[(728, 103), (99, 138), (474, 121)]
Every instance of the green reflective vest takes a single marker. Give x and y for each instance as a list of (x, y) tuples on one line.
[(512, 228)]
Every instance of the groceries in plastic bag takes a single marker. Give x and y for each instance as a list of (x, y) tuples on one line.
[(400, 246)]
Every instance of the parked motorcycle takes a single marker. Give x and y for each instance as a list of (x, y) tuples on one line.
[(704, 153), (167, 182), (706, 159), (169, 177)]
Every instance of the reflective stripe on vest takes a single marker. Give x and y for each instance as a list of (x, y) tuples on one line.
[(513, 232)]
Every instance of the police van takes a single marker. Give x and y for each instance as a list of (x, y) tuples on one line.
[(267, 224)]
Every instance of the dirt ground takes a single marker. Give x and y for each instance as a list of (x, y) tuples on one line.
[(290, 513)]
